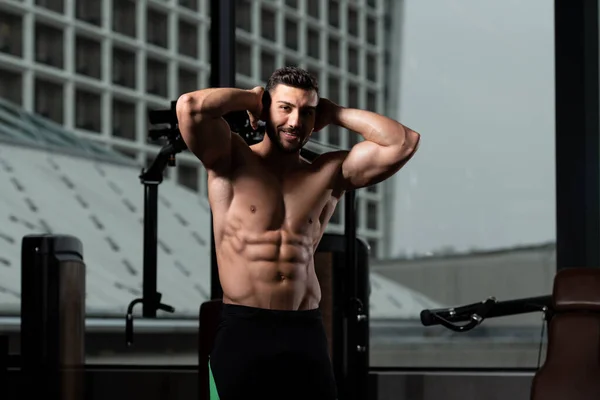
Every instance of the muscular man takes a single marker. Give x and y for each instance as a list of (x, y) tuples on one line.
[(270, 209)]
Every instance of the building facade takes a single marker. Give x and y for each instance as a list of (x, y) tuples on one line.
[(98, 66)]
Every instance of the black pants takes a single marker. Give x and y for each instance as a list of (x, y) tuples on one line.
[(270, 354)]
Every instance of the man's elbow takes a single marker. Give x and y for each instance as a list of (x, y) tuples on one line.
[(184, 105), (411, 143), (404, 151), (191, 106)]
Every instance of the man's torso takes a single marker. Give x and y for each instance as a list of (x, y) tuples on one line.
[(267, 226)]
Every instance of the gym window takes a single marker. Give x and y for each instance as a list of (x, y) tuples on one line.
[(267, 24), (188, 81), (353, 21), (291, 34), (88, 57), (11, 34), (314, 43), (371, 30), (371, 101), (334, 52), (312, 7), (11, 84), (49, 45), (156, 28), (334, 13), (371, 67), (49, 100), (52, 5), (243, 55), (353, 99), (123, 119), (124, 18), (191, 4), (87, 111), (123, 68), (333, 89), (156, 78), (353, 59), (267, 65), (243, 15), (89, 11), (188, 39)]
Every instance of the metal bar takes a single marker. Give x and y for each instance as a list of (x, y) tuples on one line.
[(150, 249), (350, 297), (222, 74), (577, 134), (350, 234)]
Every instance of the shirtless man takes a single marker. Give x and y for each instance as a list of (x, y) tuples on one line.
[(270, 209)]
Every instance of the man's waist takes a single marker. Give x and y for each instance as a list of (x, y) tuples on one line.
[(231, 310)]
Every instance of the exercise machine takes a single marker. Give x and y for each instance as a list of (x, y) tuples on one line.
[(571, 369), (52, 357)]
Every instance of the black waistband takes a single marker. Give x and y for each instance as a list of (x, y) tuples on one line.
[(236, 310)]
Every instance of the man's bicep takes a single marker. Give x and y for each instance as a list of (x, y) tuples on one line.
[(367, 164)]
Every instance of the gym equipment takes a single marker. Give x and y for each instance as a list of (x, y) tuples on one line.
[(52, 317), (572, 314), (474, 314), (342, 268), (151, 178), (572, 366)]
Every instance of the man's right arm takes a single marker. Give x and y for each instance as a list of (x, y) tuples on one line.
[(201, 123)]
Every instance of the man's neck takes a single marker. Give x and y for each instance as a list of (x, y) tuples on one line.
[(275, 157)]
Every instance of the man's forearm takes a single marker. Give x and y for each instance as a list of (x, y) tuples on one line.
[(216, 102), (371, 126)]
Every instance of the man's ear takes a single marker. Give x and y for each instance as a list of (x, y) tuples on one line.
[(266, 105)]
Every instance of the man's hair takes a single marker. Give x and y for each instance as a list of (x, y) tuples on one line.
[(294, 77)]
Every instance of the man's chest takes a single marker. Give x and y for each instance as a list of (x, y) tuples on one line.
[(272, 200)]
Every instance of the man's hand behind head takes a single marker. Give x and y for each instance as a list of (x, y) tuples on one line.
[(326, 114), (260, 110)]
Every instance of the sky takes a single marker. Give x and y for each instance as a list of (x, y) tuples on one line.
[(477, 82)]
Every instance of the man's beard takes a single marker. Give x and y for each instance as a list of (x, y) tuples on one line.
[(275, 136)]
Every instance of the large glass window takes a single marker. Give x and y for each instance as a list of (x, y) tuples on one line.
[(473, 213), (471, 216)]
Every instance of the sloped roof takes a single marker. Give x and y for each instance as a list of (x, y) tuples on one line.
[(56, 182), (102, 205)]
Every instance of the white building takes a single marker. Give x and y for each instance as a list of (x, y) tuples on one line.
[(97, 67)]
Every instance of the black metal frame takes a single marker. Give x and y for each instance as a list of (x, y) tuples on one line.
[(577, 133), (222, 74)]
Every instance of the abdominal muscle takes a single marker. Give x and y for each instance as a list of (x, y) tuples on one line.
[(272, 269)]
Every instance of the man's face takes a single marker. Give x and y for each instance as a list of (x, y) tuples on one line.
[(291, 117)]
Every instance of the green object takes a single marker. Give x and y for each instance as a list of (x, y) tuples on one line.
[(214, 394)]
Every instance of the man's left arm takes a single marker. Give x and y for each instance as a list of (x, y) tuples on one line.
[(387, 147)]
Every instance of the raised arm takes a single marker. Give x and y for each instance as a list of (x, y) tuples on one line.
[(387, 147), (201, 123)]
